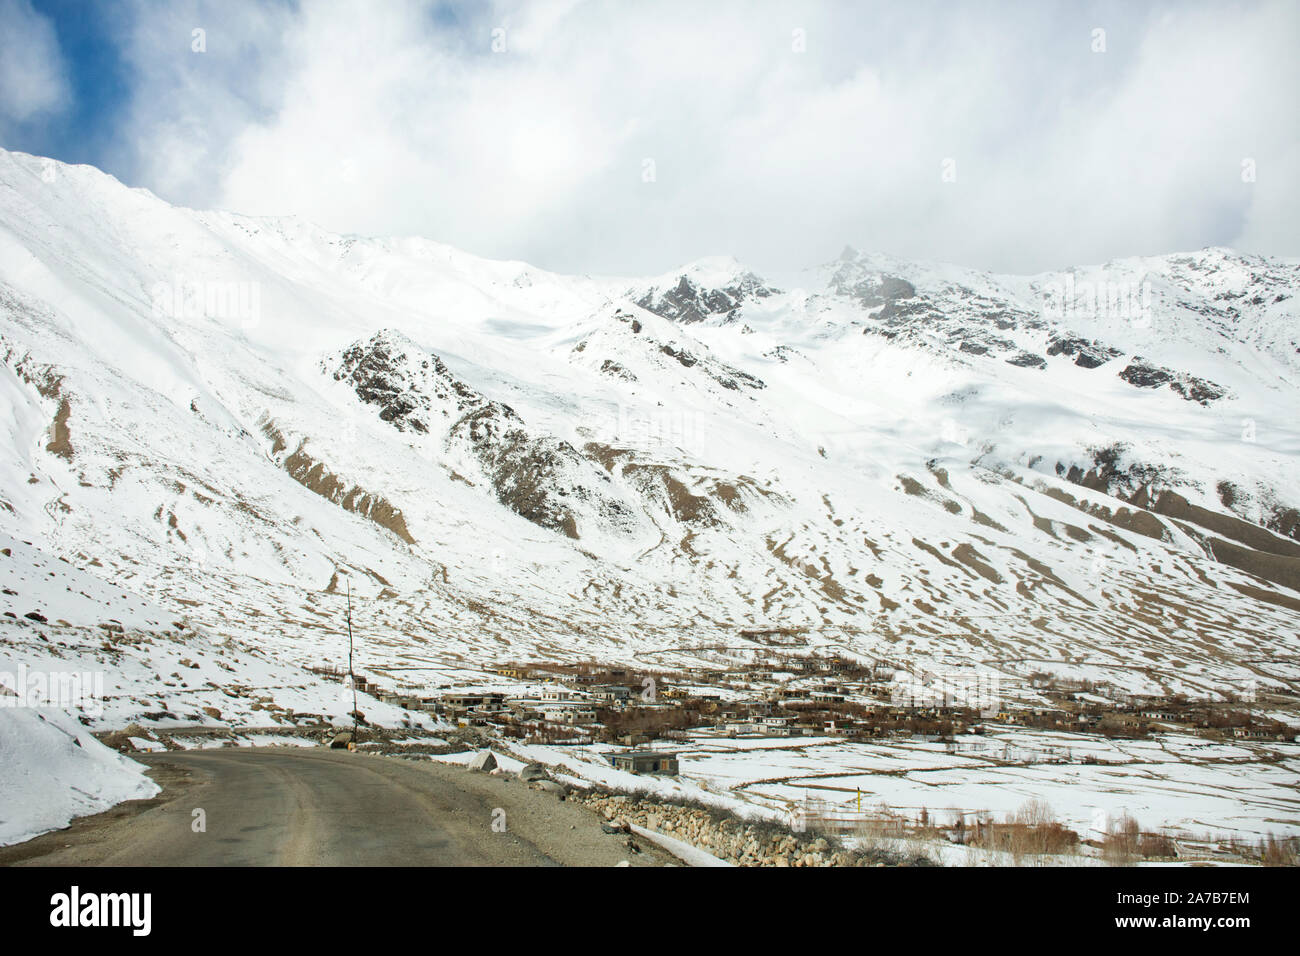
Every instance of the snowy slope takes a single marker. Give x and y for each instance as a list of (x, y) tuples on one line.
[(55, 771), (227, 417)]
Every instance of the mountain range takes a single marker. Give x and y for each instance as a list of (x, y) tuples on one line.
[(220, 423)]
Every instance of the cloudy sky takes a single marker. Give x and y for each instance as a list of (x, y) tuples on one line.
[(627, 137)]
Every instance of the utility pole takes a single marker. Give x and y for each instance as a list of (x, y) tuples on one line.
[(352, 677)]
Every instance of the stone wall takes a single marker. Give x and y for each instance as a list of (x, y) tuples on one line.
[(737, 841)]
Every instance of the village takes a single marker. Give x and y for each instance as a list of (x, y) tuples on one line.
[(783, 695)]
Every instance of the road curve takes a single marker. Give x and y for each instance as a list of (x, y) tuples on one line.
[(315, 807)]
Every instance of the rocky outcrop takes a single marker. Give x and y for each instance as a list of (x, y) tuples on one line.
[(871, 290), (534, 476), (410, 387), (314, 475), (689, 499), (1174, 505), (688, 302), (483, 762), (631, 348), (1027, 360), (49, 385), (1086, 354), (538, 476), (1143, 374), (1252, 548), (724, 375)]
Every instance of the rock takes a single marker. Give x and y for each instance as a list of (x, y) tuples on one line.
[(1086, 354), (483, 761), (550, 786), (120, 740), (533, 771)]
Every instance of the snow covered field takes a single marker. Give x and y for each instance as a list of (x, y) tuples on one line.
[(1172, 783)]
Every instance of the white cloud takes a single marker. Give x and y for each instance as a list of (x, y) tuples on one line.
[(189, 107), (398, 118), (33, 79)]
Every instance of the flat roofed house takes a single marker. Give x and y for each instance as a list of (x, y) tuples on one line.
[(778, 726), (488, 699), (645, 761)]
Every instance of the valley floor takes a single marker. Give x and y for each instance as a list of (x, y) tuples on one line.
[(1204, 796)]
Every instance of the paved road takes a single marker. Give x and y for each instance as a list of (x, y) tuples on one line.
[(292, 807)]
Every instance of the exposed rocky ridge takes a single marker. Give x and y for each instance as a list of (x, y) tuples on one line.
[(407, 385), (990, 323), (1228, 291), (41, 376), (48, 383), (1143, 374), (1271, 553), (541, 478), (1115, 473), (684, 495), (870, 289), (316, 476), (1085, 354), (690, 301), (625, 336)]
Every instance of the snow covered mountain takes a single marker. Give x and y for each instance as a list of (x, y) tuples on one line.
[(1090, 472)]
